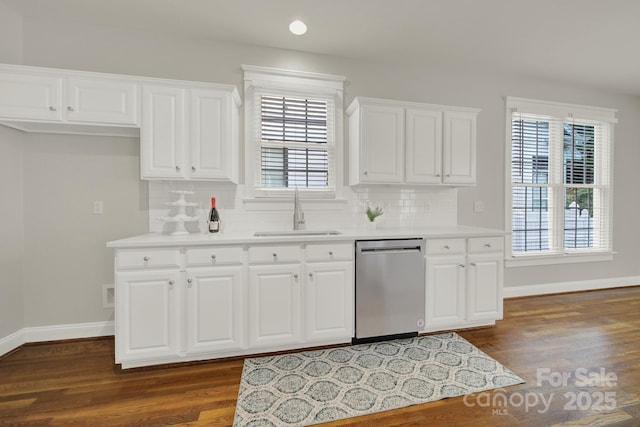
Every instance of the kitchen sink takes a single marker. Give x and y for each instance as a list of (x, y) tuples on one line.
[(297, 233)]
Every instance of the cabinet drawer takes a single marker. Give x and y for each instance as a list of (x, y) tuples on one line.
[(274, 254), (214, 255), (486, 244), (330, 252), (147, 258), (445, 246)]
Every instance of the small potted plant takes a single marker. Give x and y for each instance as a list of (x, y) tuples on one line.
[(372, 214)]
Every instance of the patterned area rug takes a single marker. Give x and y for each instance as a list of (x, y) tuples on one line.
[(318, 386)]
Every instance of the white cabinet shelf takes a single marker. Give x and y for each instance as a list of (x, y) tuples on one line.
[(395, 142)]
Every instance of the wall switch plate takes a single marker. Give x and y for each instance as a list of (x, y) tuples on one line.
[(98, 207), (478, 206)]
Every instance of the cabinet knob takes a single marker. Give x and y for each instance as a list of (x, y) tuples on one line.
[(330, 253), (213, 257), (193, 168), (295, 276), (446, 247), (189, 280), (473, 264), (487, 245), (275, 256), (146, 258), (171, 282), (438, 175), (69, 108), (178, 168), (366, 173), (448, 175), (310, 275), (461, 265), (52, 108)]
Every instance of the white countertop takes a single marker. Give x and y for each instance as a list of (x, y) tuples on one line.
[(247, 237)]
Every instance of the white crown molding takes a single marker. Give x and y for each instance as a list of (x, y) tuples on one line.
[(581, 285)]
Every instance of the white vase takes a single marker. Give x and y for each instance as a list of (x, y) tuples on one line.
[(371, 225)]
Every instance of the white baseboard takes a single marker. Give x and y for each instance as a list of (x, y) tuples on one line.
[(54, 333), (11, 342), (581, 285)]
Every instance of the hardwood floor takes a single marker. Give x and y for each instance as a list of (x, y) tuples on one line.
[(75, 383)]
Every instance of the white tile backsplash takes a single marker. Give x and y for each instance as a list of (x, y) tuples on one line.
[(403, 207)]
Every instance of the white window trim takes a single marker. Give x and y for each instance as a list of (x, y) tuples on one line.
[(557, 109), (303, 83)]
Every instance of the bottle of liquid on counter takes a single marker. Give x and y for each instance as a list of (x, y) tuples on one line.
[(214, 217)]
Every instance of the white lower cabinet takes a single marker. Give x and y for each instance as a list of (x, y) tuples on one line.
[(274, 305), (445, 291), (214, 309), (464, 282), (147, 315), (329, 308), (484, 288)]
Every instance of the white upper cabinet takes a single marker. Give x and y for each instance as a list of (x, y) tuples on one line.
[(30, 95), (394, 142), (190, 132), (102, 101), (459, 147)]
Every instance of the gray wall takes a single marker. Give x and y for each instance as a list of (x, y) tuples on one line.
[(66, 261), (78, 240), (11, 213), (11, 232)]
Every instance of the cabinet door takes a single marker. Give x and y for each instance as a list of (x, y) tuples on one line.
[(445, 291), (211, 140), (214, 309), (381, 144), (162, 135), (485, 278), (329, 308), (29, 97), (147, 315), (423, 158), (274, 305), (459, 148), (102, 101)]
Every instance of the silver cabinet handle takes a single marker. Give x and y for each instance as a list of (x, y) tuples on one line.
[(69, 108), (189, 280), (146, 258), (275, 256), (295, 276), (447, 247), (213, 257), (171, 282), (448, 175), (473, 264), (487, 245), (178, 168), (330, 253), (310, 275), (193, 168), (438, 175), (366, 173), (52, 108), (461, 265)]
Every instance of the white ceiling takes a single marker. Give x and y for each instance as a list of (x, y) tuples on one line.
[(594, 42)]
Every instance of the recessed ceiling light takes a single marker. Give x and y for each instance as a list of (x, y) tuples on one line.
[(298, 27)]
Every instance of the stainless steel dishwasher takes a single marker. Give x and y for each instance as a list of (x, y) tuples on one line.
[(390, 289)]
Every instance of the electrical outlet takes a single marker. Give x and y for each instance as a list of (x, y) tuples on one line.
[(98, 207), (478, 206)]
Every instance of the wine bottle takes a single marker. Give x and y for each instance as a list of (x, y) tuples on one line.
[(214, 217)]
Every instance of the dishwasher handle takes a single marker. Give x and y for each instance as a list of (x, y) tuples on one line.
[(374, 251)]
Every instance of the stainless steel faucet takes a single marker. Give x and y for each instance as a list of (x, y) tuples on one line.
[(298, 215)]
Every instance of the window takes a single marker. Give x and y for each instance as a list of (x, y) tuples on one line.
[(559, 186), (293, 132)]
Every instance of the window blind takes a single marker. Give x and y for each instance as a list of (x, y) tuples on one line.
[(296, 141), (560, 173)]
